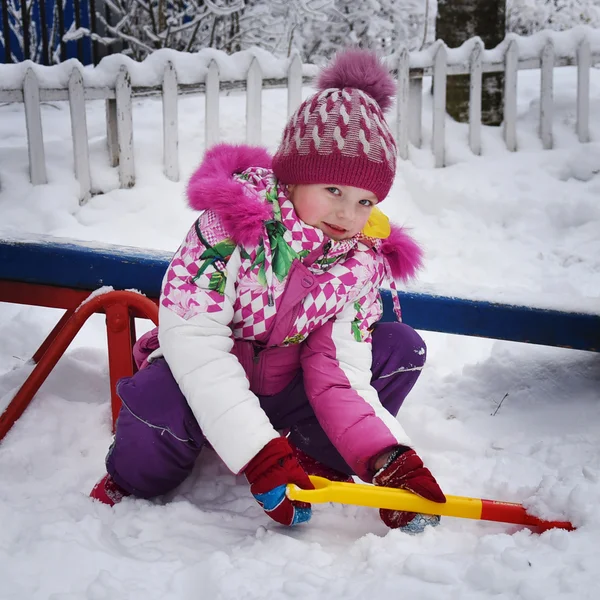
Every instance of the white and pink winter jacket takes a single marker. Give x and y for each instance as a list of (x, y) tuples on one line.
[(254, 294)]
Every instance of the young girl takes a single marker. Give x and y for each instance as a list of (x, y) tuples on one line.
[(269, 347)]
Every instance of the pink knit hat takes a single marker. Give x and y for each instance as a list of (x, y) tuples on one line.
[(339, 135)]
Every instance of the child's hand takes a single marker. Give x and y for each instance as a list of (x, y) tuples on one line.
[(404, 469), (268, 474)]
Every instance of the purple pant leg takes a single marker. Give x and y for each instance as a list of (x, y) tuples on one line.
[(157, 439), (399, 354)]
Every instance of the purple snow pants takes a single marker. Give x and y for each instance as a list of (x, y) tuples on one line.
[(157, 438)]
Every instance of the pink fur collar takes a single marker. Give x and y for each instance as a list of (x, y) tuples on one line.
[(213, 187), (403, 254)]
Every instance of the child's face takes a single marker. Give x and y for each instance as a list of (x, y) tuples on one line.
[(339, 211)]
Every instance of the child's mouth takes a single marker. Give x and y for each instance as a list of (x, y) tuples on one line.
[(335, 228)]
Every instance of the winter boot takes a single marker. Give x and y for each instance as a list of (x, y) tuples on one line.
[(108, 492)]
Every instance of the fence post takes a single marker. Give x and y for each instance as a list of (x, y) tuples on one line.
[(125, 129), (81, 155), (584, 62), (402, 108), (170, 123), (294, 75), (415, 109), (546, 95), (253, 103), (476, 67), (511, 65), (439, 105), (111, 132), (35, 137), (211, 116)]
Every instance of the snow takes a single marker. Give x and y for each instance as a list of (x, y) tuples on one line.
[(528, 16), (521, 227), (191, 67), (565, 45)]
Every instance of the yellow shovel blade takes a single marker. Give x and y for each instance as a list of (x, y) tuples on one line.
[(383, 497)]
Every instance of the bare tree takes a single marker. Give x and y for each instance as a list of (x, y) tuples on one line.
[(189, 25), (383, 25), (147, 25)]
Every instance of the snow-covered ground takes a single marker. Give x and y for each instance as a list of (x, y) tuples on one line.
[(523, 226)]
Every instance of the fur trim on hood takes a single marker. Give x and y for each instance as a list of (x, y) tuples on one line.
[(213, 187), (403, 254), (243, 214)]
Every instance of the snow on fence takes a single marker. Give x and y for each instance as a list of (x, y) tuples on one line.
[(31, 84)]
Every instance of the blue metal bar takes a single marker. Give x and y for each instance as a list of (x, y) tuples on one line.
[(83, 265), (498, 321), (88, 266)]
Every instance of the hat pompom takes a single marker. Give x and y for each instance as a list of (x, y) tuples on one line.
[(359, 69)]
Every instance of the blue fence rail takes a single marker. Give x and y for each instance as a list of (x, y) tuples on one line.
[(35, 30)]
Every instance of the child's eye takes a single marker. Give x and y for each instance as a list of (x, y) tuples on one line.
[(334, 190), (366, 202)]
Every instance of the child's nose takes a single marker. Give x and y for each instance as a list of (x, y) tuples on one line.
[(344, 212)]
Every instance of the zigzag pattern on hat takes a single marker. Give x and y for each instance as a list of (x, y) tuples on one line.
[(347, 121)]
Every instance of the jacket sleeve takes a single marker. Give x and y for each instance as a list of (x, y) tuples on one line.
[(195, 313), (336, 361)]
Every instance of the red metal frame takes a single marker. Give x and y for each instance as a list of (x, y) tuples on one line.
[(120, 307)]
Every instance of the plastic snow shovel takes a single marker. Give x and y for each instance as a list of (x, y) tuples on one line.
[(455, 506)]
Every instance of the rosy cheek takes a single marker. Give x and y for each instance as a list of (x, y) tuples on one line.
[(305, 212), (362, 219)]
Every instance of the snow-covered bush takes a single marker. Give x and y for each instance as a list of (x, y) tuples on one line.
[(383, 25), (147, 25), (528, 16), (316, 28), (190, 25)]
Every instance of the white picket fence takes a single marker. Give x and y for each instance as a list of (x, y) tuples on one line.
[(409, 71)]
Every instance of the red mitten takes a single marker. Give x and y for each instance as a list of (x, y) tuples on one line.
[(404, 469), (268, 474)]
